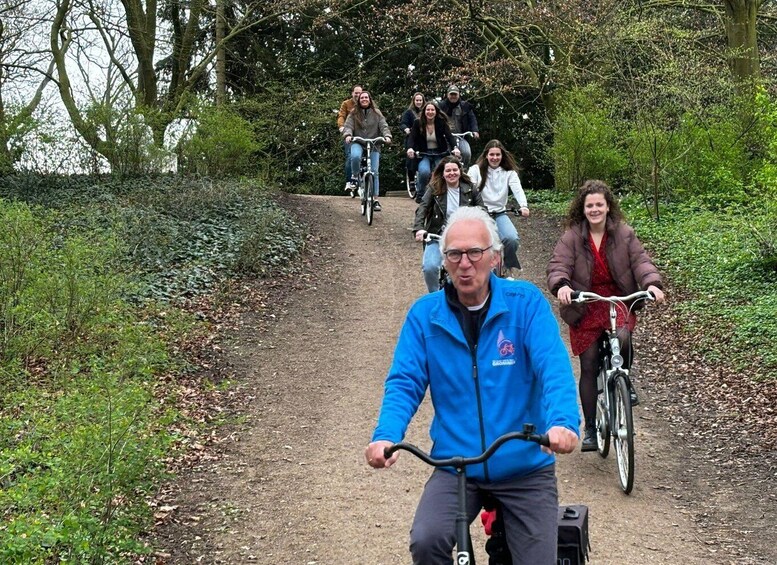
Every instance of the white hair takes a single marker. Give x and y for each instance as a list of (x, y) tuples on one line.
[(472, 213)]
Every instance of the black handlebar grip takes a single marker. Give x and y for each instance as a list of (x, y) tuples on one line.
[(575, 294), (544, 440)]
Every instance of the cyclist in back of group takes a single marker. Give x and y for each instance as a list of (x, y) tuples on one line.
[(462, 118), (366, 121), (495, 174), (489, 352), (598, 252), (410, 115), (449, 189), (346, 108), (430, 133)]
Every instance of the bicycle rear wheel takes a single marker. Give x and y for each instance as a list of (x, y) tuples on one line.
[(624, 433), (368, 186), (602, 426)]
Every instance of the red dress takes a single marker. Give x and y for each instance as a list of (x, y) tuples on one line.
[(597, 315)]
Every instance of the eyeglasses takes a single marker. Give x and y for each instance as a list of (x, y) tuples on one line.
[(474, 255)]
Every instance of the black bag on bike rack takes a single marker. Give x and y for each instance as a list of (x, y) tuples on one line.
[(573, 543)]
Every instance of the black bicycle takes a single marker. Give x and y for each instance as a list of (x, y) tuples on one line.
[(366, 187), (464, 555), (459, 137), (614, 418), (500, 269), (411, 186)]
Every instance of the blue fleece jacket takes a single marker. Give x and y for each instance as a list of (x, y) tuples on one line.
[(518, 372)]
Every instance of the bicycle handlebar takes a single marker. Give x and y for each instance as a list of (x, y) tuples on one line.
[(528, 434), (465, 134), (421, 154), (585, 296), (514, 211), (429, 237), (356, 138)]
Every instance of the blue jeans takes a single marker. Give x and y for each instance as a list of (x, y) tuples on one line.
[(509, 236), (425, 168), (356, 159), (529, 509), (431, 264), (347, 151)]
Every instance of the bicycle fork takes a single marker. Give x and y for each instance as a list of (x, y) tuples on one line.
[(464, 548)]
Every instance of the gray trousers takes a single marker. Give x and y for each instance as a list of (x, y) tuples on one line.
[(530, 512)]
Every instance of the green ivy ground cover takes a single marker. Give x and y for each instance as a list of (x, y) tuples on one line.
[(84, 264)]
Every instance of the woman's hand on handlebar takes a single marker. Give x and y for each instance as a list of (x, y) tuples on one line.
[(419, 235), (524, 211), (348, 138), (561, 440), (657, 292), (564, 295), (375, 456), (411, 153), (456, 152)]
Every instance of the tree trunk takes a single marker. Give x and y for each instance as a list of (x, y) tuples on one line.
[(221, 55), (141, 24), (742, 37)]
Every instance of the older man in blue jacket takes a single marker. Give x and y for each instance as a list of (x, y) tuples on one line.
[(490, 352)]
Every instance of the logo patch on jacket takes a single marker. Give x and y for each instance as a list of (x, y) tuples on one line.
[(506, 350)]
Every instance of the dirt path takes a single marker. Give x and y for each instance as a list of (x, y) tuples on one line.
[(289, 485)]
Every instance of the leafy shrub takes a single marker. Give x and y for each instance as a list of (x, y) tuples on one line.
[(714, 166), (299, 145), (223, 143), (49, 290), (586, 140)]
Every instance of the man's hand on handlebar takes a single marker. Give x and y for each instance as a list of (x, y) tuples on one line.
[(476, 135), (561, 440), (456, 152), (375, 456)]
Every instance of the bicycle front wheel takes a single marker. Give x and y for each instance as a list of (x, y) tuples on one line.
[(363, 196), (369, 183), (624, 434), (602, 425), (410, 186)]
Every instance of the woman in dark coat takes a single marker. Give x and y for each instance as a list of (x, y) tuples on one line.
[(598, 252), (450, 188), (430, 133)]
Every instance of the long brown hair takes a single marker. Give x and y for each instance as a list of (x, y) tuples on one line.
[(439, 186), (358, 115), (576, 214), (507, 162), (412, 107)]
